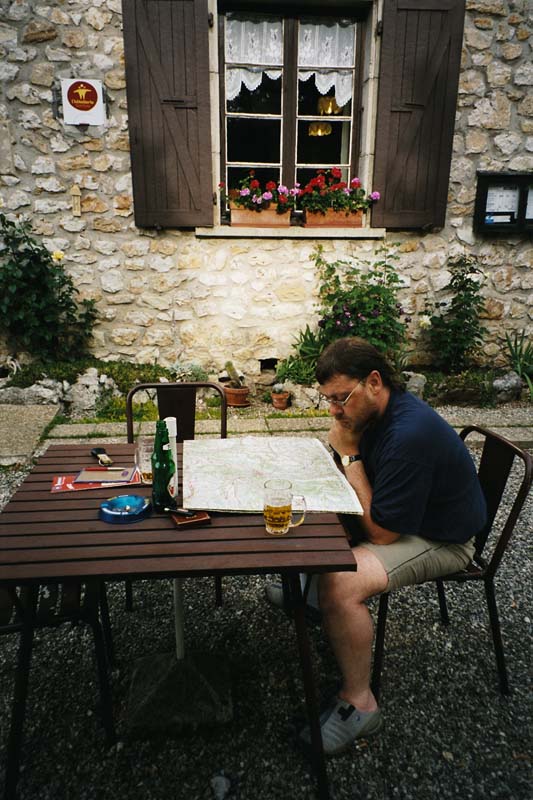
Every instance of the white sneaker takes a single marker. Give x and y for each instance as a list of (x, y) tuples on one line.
[(341, 724)]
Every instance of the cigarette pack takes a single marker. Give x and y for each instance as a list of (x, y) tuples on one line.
[(200, 518)]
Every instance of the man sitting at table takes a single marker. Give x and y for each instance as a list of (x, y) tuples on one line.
[(422, 506)]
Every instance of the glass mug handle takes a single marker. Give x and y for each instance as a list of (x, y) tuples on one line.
[(302, 503)]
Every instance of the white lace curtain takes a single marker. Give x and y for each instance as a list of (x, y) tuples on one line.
[(325, 49)]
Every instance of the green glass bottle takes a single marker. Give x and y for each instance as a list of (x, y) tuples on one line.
[(163, 469)]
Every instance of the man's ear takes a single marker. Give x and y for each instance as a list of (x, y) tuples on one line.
[(374, 381)]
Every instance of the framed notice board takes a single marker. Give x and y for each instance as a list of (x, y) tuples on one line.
[(504, 203)]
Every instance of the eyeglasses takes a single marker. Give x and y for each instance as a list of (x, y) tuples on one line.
[(332, 401)]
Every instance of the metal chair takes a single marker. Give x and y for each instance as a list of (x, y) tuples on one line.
[(177, 400), (25, 609), (497, 458)]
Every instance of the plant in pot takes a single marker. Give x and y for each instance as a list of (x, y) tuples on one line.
[(328, 200), (281, 397), (235, 390), (251, 205)]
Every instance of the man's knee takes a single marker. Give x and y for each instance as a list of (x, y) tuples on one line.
[(345, 588), (337, 590)]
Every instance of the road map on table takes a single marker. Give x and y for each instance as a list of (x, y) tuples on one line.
[(229, 474)]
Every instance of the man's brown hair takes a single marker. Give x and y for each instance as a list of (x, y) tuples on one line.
[(356, 358)]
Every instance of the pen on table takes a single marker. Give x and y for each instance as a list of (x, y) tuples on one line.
[(106, 469), (181, 512)]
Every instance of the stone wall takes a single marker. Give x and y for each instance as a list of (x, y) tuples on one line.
[(172, 295)]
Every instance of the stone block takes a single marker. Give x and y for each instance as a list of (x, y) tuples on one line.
[(39, 31), (106, 225), (124, 336), (93, 203), (74, 39), (42, 74)]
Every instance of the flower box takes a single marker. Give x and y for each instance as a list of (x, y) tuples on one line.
[(334, 219), (266, 218)]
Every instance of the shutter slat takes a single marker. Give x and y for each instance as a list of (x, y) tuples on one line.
[(419, 74), (167, 73)]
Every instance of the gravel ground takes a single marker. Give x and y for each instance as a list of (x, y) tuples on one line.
[(448, 732)]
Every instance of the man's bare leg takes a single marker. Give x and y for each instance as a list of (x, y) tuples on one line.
[(349, 625)]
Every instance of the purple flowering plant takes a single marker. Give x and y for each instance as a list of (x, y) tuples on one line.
[(251, 195), (362, 301), (353, 301)]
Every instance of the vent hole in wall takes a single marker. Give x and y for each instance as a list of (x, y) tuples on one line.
[(267, 364)]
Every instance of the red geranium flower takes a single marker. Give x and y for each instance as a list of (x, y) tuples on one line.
[(254, 184), (326, 191), (270, 185)]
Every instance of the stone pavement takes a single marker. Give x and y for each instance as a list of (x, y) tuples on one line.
[(24, 428), (21, 429)]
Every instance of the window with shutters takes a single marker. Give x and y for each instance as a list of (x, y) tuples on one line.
[(291, 91), (291, 101)]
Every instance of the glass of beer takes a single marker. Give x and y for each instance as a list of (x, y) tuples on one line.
[(279, 506), (143, 458)]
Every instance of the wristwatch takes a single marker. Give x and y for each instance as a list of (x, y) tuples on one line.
[(347, 460)]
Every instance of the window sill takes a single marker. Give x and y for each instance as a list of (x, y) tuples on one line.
[(294, 232)]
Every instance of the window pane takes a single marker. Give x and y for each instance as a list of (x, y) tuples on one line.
[(324, 142), (326, 43), (312, 103), (266, 99), (253, 140), (263, 175)]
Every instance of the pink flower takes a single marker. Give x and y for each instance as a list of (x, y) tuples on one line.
[(355, 183), (282, 189), (267, 195), (295, 192), (244, 192), (374, 195)]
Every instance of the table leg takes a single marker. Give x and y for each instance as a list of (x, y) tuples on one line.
[(21, 693), (178, 619), (319, 763)]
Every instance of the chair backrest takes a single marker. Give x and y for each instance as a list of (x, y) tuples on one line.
[(55, 603), (178, 400), (496, 461)]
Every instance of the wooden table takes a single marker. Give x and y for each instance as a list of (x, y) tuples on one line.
[(48, 537)]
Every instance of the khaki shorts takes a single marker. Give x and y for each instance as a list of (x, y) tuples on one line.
[(412, 559)]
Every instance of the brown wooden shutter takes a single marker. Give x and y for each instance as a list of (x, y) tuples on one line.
[(419, 74), (167, 75)]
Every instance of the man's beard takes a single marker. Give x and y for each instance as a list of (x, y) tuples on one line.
[(359, 424)]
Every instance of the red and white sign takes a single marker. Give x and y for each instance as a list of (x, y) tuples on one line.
[(83, 102)]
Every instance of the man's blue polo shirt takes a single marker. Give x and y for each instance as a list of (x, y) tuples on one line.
[(423, 479)]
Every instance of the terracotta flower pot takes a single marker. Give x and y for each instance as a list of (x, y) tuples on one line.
[(334, 219), (280, 400), (266, 218), (237, 398)]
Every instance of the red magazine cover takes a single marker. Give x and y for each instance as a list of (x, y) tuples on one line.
[(65, 483)]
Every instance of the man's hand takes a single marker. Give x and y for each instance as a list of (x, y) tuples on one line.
[(344, 441)]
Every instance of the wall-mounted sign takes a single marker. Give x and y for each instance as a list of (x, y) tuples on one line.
[(504, 203), (83, 102)]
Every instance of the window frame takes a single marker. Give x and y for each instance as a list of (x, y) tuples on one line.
[(289, 94)]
